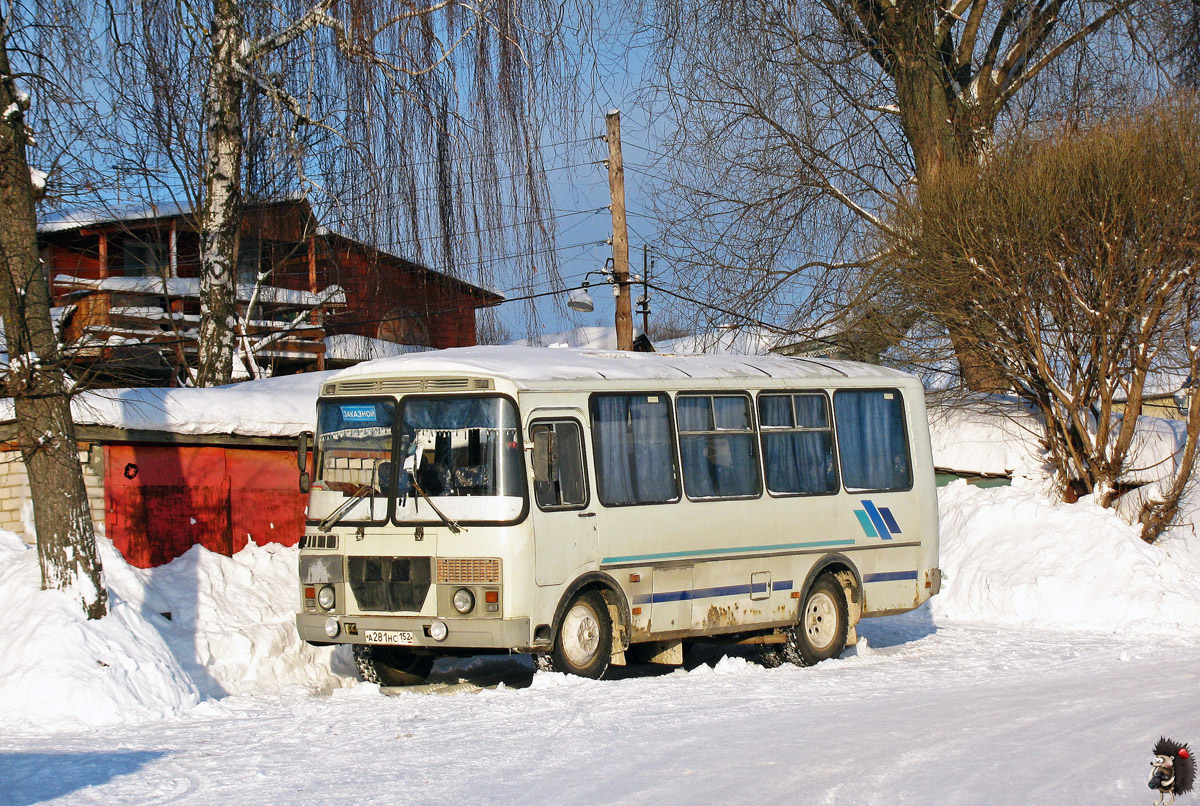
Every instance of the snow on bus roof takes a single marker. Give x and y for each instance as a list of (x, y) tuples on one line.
[(529, 365)]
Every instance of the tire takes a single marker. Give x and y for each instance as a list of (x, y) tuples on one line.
[(391, 666), (820, 629), (583, 645)]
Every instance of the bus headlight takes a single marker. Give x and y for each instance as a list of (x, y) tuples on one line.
[(326, 598), (332, 628), (463, 601)]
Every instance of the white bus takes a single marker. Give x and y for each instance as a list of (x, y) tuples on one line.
[(585, 505)]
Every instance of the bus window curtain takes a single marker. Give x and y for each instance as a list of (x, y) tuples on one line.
[(871, 440), (634, 449), (798, 462)]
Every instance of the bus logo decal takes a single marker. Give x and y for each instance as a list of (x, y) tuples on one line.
[(877, 521)]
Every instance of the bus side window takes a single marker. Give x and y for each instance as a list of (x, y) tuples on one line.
[(634, 449), (797, 444), (716, 444), (872, 439), (559, 480)]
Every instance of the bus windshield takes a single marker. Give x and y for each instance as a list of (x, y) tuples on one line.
[(464, 455), (354, 450), (457, 459)]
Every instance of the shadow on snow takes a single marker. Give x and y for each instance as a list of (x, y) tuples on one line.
[(28, 778), (516, 671)]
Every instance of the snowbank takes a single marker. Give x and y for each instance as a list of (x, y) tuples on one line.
[(232, 619), (58, 670), (1011, 557), (230, 630)]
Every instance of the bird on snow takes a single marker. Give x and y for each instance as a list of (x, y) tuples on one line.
[(1174, 770)]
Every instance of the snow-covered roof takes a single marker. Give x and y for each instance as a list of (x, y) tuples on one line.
[(59, 222), (273, 407), (351, 347), (190, 287), (590, 337), (725, 341), (535, 365), (998, 435)]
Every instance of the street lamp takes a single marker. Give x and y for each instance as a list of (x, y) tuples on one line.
[(580, 300)]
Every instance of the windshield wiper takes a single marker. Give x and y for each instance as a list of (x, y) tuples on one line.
[(335, 516), (451, 525)]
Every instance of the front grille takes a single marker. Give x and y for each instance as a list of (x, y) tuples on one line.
[(389, 583), (467, 571), (319, 542)]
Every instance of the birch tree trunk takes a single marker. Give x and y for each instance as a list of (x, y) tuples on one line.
[(36, 380), (221, 219)]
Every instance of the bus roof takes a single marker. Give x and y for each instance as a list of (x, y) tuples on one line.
[(530, 367)]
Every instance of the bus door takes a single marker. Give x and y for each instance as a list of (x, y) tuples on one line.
[(564, 520)]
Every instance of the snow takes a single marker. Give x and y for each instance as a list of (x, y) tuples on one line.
[(202, 627), (991, 438), (526, 365), (1013, 558), (278, 407), (60, 671), (917, 714), (351, 347), (723, 341), (585, 337), (727, 340), (77, 219), (1060, 648), (998, 436), (190, 287)]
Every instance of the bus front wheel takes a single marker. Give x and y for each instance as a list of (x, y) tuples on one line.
[(391, 666), (820, 631), (583, 645)]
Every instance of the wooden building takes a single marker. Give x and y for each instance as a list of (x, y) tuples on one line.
[(126, 290)]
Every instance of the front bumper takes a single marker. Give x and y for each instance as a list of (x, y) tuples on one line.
[(466, 633)]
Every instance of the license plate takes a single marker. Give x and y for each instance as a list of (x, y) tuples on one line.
[(388, 636)]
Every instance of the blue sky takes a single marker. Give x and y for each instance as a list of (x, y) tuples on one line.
[(617, 79)]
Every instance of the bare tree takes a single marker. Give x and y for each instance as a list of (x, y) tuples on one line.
[(35, 379), (412, 126), (797, 123), (1072, 260)]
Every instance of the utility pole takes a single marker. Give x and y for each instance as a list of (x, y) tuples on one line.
[(616, 187)]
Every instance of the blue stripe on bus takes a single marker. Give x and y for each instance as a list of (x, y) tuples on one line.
[(709, 593), (890, 576), (891, 521), (865, 523), (732, 550), (877, 519)]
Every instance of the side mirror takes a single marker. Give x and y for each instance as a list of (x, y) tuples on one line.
[(545, 454), (302, 450)]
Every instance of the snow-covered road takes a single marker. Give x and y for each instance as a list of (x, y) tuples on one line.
[(946, 715)]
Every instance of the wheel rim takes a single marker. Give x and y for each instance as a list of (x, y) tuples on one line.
[(580, 636), (820, 620)]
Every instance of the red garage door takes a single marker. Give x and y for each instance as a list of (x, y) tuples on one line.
[(160, 500)]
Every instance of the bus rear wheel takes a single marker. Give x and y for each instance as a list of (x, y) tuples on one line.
[(583, 645), (820, 630), (391, 666)]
